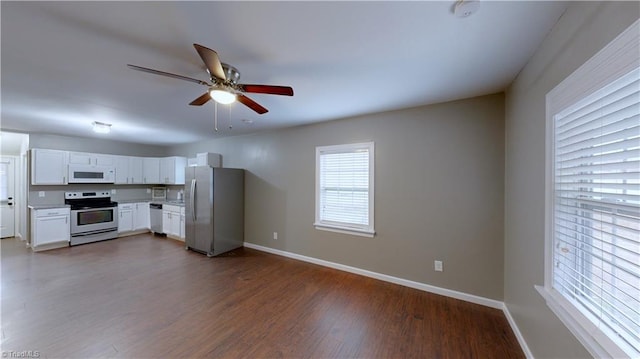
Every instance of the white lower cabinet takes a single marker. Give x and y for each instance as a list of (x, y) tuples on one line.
[(182, 224), (141, 216), (125, 217), (172, 221), (50, 228), (133, 218)]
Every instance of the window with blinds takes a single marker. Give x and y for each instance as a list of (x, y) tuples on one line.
[(596, 209), (344, 188)]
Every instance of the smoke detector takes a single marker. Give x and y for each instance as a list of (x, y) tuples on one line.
[(466, 8)]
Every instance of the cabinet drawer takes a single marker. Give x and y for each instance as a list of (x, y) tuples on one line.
[(170, 208), (52, 212), (126, 206)]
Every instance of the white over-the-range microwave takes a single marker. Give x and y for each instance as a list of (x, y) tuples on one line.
[(91, 174)]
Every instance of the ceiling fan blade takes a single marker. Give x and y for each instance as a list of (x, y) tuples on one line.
[(201, 100), (268, 89), (251, 104), (168, 74), (211, 60)]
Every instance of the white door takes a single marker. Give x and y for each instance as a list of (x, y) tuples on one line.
[(7, 197)]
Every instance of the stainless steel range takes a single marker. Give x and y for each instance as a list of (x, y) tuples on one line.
[(94, 217)]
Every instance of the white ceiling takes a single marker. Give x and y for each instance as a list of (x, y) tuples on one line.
[(64, 63)]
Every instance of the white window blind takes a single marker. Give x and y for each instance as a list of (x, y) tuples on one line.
[(596, 209), (344, 188)]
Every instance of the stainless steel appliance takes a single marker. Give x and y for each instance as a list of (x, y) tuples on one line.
[(155, 217), (214, 209), (94, 217), (91, 174)]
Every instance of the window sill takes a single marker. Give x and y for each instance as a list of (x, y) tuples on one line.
[(345, 230), (590, 336)]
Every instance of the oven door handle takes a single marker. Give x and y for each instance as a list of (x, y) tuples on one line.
[(193, 199), (90, 233)]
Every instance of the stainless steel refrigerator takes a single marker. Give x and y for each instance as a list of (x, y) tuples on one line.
[(214, 209)]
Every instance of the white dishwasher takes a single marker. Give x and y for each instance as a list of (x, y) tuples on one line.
[(155, 217)]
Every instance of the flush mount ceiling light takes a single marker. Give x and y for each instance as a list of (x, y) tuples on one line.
[(222, 96), (101, 127), (466, 8)]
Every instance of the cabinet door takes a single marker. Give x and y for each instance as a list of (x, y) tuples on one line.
[(182, 226), (135, 170), (141, 216), (151, 170), (125, 219), (175, 224), (103, 160), (91, 159), (121, 164), (48, 167), (51, 229), (167, 170), (166, 222), (172, 170), (80, 158)]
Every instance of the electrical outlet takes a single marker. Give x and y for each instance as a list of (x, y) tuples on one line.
[(113, 191), (275, 235), (437, 266), (148, 190), (41, 194)]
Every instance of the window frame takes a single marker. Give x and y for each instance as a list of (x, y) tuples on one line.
[(354, 229), (615, 60)]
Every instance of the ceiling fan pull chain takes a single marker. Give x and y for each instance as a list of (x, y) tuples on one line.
[(215, 117)]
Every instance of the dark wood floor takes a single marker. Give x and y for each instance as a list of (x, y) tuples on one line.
[(145, 296)]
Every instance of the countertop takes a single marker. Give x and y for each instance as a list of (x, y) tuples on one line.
[(134, 200), (171, 202), (48, 206)]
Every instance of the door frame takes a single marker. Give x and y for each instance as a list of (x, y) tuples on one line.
[(14, 164)]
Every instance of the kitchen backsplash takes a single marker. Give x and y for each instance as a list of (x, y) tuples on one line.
[(54, 195)]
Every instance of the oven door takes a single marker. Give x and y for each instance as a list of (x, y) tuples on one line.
[(94, 220)]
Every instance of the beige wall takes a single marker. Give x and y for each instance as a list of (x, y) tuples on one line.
[(582, 31), (439, 192)]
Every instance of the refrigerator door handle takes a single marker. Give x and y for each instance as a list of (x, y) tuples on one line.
[(193, 199)]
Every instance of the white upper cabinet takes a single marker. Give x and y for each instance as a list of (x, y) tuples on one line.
[(48, 167), (135, 170), (172, 170), (122, 169), (91, 159), (128, 170), (151, 170)]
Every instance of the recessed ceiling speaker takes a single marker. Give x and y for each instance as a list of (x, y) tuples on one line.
[(466, 8)]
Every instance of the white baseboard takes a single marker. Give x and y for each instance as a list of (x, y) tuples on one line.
[(384, 277), (407, 283), (516, 331)]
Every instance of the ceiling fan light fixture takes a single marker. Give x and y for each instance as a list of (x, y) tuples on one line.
[(101, 127), (466, 8), (222, 96)]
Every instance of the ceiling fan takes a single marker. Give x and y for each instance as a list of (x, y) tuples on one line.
[(224, 87)]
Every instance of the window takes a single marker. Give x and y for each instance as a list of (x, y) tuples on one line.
[(592, 273), (344, 188)]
